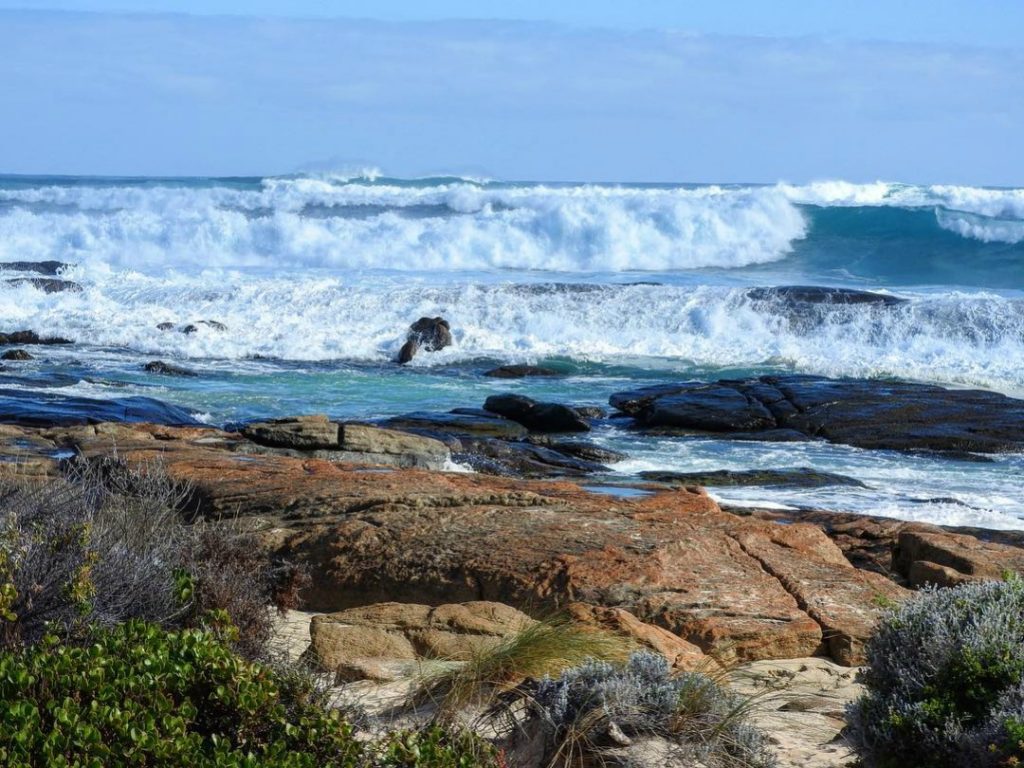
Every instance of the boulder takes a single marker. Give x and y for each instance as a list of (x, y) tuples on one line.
[(521, 459), (168, 369), (864, 413), (16, 354), (537, 417), (947, 559), (384, 633), (580, 449), (431, 333), (520, 371), (318, 436), (165, 326)]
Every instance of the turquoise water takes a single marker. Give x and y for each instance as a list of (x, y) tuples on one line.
[(317, 278)]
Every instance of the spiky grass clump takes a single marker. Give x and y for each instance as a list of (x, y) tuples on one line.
[(588, 711), (945, 681), (541, 649)]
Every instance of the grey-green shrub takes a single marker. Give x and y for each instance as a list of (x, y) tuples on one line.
[(945, 681), (706, 722)]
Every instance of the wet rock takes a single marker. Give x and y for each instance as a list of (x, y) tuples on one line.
[(212, 324), (167, 369), (521, 459), (580, 449), (52, 268), (165, 326), (535, 416), (801, 477), (431, 333), (864, 413), (47, 284), (590, 411), (459, 423), (36, 408), (16, 354), (30, 337), (795, 295), (520, 371)]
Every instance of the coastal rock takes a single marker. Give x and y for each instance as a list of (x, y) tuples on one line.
[(212, 324), (947, 559), (47, 284), (29, 408), (52, 268), (796, 295), (165, 326), (431, 333), (521, 459), (318, 436), (520, 371), (30, 337), (580, 449), (863, 413), (740, 588), (681, 654), (345, 641), (801, 477), (16, 354), (459, 423), (167, 369), (537, 417)]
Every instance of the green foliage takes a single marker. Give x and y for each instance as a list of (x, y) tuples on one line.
[(138, 695), (438, 748), (945, 681)]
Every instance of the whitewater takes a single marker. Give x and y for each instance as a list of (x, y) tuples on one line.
[(316, 279)]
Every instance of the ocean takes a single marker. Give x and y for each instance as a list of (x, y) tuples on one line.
[(316, 279)]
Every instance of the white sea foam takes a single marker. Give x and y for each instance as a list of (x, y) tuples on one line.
[(975, 339)]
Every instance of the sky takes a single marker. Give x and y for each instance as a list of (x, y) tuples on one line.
[(730, 91)]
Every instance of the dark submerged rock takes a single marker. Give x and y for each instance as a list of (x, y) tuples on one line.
[(794, 295), (193, 327), (522, 459), (52, 268), (16, 354), (30, 337), (580, 449), (167, 369), (165, 326), (801, 477), (47, 284), (44, 409), (535, 416), (520, 372), (865, 413), (459, 423), (431, 333)]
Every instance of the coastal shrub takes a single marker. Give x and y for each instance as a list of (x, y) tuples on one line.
[(107, 544), (945, 681), (593, 707), (437, 747), (539, 649), (139, 695)]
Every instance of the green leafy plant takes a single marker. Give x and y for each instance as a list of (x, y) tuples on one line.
[(945, 681)]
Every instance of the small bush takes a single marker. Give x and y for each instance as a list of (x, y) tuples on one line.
[(138, 695), (108, 544), (945, 681), (589, 708), (437, 747)]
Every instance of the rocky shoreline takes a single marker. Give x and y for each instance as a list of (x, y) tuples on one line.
[(424, 532)]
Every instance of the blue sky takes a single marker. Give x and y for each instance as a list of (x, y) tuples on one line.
[(668, 91)]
